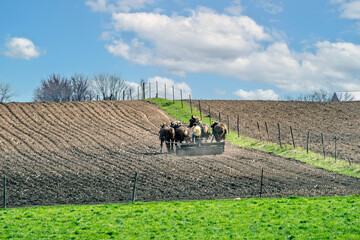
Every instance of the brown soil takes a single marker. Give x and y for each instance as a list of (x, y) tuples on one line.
[(88, 152), (340, 120)]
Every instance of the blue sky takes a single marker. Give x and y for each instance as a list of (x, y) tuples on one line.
[(241, 49)]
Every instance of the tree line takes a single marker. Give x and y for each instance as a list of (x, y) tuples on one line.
[(105, 86)]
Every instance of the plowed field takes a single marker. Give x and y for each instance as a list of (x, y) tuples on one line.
[(339, 119), (88, 152)]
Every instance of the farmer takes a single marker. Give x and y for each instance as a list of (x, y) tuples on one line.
[(197, 132)]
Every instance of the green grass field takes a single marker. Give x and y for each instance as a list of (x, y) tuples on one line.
[(176, 111), (287, 218)]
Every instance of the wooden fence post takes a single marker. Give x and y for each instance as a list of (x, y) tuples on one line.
[(134, 188), (292, 137), (200, 110), (157, 90), (190, 103), (322, 143), (4, 193), (335, 147), (279, 136), (138, 93), (209, 115), (238, 129), (261, 180), (130, 94), (173, 94), (307, 142), (258, 127), (219, 117), (267, 131), (182, 105)]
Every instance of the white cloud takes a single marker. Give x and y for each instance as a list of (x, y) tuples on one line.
[(271, 6), (257, 94), (235, 8), (162, 81), (349, 8), (117, 5), (21, 48), (235, 46)]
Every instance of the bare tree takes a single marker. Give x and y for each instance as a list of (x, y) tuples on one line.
[(53, 89), (5, 92), (110, 87), (345, 96), (80, 86), (315, 96)]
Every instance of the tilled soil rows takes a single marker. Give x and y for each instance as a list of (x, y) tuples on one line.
[(88, 152), (329, 119)]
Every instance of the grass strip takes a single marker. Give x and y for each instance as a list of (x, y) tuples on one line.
[(286, 218), (183, 114)]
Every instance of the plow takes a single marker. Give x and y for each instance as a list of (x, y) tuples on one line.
[(198, 149)]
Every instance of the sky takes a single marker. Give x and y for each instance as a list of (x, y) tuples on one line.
[(229, 49)]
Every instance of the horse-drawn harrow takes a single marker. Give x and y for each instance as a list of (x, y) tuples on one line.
[(197, 149)]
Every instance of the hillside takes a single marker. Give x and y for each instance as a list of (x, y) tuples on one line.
[(88, 152)]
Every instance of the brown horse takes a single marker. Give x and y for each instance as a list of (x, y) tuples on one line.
[(219, 131), (167, 134), (181, 132), (205, 130)]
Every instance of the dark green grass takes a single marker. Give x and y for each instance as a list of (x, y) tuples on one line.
[(176, 111), (288, 218)]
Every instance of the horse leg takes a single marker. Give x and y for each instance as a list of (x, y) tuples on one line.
[(161, 145)]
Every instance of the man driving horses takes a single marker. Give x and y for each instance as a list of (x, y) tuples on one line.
[(197, 132)]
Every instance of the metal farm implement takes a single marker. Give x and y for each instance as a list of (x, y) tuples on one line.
[(199, 148)]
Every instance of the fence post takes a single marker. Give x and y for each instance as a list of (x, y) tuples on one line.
[(261, 180), (279, 136), (307, 142), (138, 93), (134, 188), (4, 193), (209, 115), (130, 94), (258, 127), (322, 143), (173, 94), (219, 117), (123, 95), (292, 137), (182, 105), (238, 129), (335, 147), (157, 90), (200, 110), (190, 103), (267, 131)]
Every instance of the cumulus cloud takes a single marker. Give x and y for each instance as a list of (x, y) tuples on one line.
[(21, 48), (349, 8), (117, 5), (235, 46), (257, 94)]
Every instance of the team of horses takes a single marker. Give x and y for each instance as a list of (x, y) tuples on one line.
[(177, 132)]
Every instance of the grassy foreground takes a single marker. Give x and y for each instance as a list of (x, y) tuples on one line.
[(175, 110), (288, 218)]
